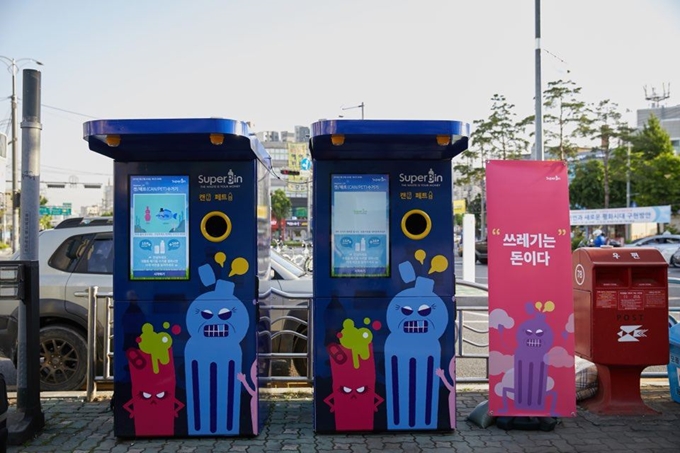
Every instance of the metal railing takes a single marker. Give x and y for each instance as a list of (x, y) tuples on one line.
[(279, 332), (479, 341), (94, 296)]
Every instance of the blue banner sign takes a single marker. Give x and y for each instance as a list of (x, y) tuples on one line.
[(620, 216)]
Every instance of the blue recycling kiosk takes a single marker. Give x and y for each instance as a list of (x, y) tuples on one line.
[(384, 308), (191, 237)]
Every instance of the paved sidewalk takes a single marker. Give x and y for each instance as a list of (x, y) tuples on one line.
[(74, 426)]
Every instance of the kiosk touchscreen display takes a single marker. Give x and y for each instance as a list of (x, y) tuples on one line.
[(360, 225), (159, 244)]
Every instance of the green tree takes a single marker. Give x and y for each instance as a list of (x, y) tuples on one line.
[(280, 205), (651, 141), (654, 166), (657, 183), (586, 189), (603, 123), (45, 221), (500, 136), (563, 120)]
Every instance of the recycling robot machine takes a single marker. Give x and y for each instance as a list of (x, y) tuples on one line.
[(384, 309), (191, 238)]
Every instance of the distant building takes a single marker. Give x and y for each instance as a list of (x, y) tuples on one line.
[(268, 136), (90, 211), (288, 152), (107, 201), (302, 134)]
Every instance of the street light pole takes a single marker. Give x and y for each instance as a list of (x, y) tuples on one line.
[(538, 95), (12, 67), (360, 106), (627, 232)]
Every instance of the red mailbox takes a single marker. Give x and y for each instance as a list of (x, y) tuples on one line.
[(620, 321)]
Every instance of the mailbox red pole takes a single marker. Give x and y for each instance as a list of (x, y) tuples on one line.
[(620, 321)]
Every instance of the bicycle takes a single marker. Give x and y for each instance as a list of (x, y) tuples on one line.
[(307, 263), (289, 253)]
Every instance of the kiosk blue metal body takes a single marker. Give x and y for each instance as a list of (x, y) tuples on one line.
[(191, 238), (384, 307)]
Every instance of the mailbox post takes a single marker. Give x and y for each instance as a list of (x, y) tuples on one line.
[(621, 321)]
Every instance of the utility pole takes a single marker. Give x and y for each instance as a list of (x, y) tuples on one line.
[(12, 67), (15, 169), (627, 232), (539, 94)]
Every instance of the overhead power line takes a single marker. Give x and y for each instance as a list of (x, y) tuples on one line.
[(61, 110), (70, 111)]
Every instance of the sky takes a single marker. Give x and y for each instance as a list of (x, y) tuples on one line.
[(282, 63)]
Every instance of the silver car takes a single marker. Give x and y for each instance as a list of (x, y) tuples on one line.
[(77, 255), (667, 244)]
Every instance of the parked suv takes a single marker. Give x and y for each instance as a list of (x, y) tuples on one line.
[(77, 255), (74, 256)]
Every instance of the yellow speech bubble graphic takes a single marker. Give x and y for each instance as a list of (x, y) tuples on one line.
[(239, 266), (420, 255), (538, 306), (439, 264), (220, 258), (549, 306)]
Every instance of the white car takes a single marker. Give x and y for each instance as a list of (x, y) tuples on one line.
[(667, 244), (78, 254)]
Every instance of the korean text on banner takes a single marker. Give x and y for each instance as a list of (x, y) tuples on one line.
[(531, 318)]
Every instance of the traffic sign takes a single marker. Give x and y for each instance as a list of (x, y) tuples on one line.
[(55, 210)]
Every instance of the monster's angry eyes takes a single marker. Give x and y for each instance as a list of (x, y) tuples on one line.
[(348, 390), (147, 396), (539, 332), (223, 314), (423, 310)]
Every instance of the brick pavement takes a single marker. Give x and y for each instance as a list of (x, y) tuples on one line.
[(75, 426)]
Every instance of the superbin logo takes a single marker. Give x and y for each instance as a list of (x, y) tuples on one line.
[(229, 179), (429, 178)]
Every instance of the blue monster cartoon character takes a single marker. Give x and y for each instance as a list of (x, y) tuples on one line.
[(416, 318), (217, 322)]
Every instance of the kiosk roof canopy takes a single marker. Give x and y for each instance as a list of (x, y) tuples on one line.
[(178, 139), (388, 139)]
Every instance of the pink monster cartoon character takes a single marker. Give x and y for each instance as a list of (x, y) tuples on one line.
[(153, 405), (353, 400)]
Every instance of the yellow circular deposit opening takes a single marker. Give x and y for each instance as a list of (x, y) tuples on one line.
[(216, 226), (416, 224)]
